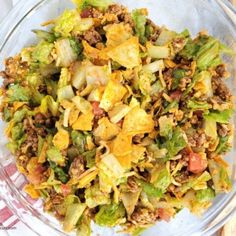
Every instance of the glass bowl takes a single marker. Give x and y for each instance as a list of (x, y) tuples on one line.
[(216, 16)]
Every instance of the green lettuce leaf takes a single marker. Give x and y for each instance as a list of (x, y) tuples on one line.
[(54, 154), (140, 22), (205, 195), (198, 105), (223, 146), (220, 116), (20, 115), (220, 177), (178, 74), (150, 189), (95, 197), (166, 126), (60, 173), (79, 140), (176, 143), (90, 158), (66, 23), (101, 4), (17, 132), (7, 114), (84, 227), (110, 215), (45, 35), (42, 52), (73, 214), (18, 93), (48, 104)]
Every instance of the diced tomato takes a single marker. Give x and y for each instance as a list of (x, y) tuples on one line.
[(176, 95), (165, 214), (97, 111), (66, 190), (196, 163)]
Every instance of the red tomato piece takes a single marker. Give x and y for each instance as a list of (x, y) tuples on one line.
[(196, 163), (97, 111)]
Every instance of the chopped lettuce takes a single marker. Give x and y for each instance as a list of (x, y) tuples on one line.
[(154, 66), (73, 214), (101, 4), (95, 197), (20, 115), (161, 178), (118, 112), (151, 190), (65, 93), (205, 195), (17, 131), (178, 74), (54, 154), (220, 177), (42, 52), (203, 85), (205, 50), (165, 37), (79, 140), (66, 23), (203, 80), (139, 17), (18, 93), (176, 143), (198, 105), (78, 76), (173, 105), (158, 52), (196, 183), (110, 215), (65, 52), (166, 126), (60, 173), (223, 146), (84, 227), (210, 128), (48, 104), (144, 81), (90, 158), (82, 104), (220, 116), (64, 78), (45, 35)]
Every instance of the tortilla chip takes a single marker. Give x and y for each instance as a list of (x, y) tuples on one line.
[(84, 122), (113, 93), (138, 122), (106, 130), (127, 53)]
